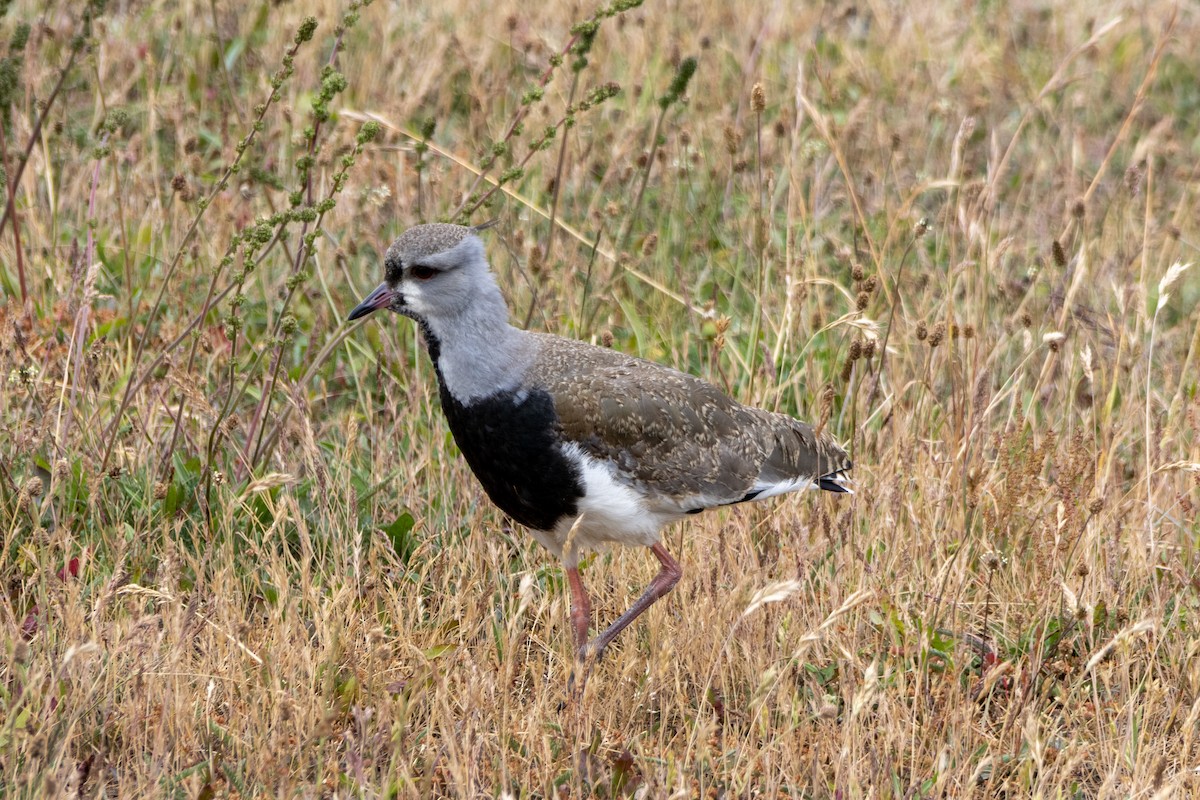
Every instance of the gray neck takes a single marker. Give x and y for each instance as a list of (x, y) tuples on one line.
[(478, 353)]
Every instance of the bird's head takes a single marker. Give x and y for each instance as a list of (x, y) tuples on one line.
[(433, 273)]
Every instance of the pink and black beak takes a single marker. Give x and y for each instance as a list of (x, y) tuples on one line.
[(384, 296)]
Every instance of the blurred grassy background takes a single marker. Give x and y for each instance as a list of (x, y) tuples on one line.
[(241, 557)]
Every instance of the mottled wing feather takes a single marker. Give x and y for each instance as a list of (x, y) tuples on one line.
[(674, 435), (799, 450), (617, 415)]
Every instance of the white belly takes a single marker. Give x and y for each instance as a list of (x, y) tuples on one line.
[(610, 512)]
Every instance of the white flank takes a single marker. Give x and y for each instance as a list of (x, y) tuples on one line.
[(614, 511), (610, 512)]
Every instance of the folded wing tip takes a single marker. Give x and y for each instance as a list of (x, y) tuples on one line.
[(835, 482)]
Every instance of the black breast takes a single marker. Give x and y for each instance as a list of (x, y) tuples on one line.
[(511, 440)]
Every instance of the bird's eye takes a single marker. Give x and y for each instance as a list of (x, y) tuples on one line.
[(421, 272)]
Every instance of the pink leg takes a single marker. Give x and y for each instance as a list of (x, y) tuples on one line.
[(663, 582), (581, 607)]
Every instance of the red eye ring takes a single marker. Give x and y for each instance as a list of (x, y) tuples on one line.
[(421, 272)]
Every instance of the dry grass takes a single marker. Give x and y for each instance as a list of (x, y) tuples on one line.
[(208, 595)]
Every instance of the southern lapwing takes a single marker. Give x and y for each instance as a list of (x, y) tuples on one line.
[(583, 445)]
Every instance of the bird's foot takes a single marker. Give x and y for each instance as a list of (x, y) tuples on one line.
[(590, 652), (585, 657)]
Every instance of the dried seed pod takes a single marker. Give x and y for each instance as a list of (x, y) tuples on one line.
[(758, 99)]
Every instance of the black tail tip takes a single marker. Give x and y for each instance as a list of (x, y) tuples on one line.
[(836, 482)]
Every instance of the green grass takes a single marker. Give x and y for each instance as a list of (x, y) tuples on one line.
[(242, 558)]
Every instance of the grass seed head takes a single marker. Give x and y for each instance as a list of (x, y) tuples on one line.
[(733, 139), (1133, 177), (537, 259), (649, 245), (1060, 255), (827, 397), (938, 334)]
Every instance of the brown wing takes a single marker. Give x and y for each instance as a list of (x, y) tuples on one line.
[(670, 432)]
